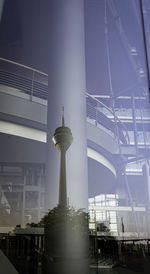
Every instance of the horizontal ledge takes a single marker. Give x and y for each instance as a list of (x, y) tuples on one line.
[(117, 208)]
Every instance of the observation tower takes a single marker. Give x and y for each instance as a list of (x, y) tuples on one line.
[(62, 139)]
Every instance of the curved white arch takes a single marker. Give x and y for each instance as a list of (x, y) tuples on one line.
[(39, 135), (22, 131), (101, 159)]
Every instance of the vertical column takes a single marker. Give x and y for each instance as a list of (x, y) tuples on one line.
[(146, 175), (39, 180), (67, 88), (23, 198), (1, 8), (134, 124)]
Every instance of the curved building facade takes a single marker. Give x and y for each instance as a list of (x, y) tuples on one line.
[(110, 116)]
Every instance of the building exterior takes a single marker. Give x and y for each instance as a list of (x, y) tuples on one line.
[(117, 124)]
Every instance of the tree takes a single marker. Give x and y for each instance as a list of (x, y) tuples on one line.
[(66, 232)]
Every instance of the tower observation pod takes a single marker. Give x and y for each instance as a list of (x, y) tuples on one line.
[(62, 139)]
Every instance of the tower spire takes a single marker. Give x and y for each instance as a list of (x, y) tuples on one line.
[(63, 120)]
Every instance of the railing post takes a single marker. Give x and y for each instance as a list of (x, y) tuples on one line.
[(135, 124), (96, 114), (32, 85)]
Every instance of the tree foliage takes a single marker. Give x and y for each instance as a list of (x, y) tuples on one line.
[(66, 231)]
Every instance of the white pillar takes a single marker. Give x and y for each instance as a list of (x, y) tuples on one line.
[(67, 88), (146, 186)]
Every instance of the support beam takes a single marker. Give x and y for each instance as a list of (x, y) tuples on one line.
[(67, 88)]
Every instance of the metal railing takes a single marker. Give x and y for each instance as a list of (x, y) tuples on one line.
[(35, 83), (101, 114), (24, 78)]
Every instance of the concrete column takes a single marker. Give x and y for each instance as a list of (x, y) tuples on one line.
[(67, 88), (146, 186)]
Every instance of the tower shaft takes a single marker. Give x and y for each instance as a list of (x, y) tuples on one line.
[(62, 199)]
